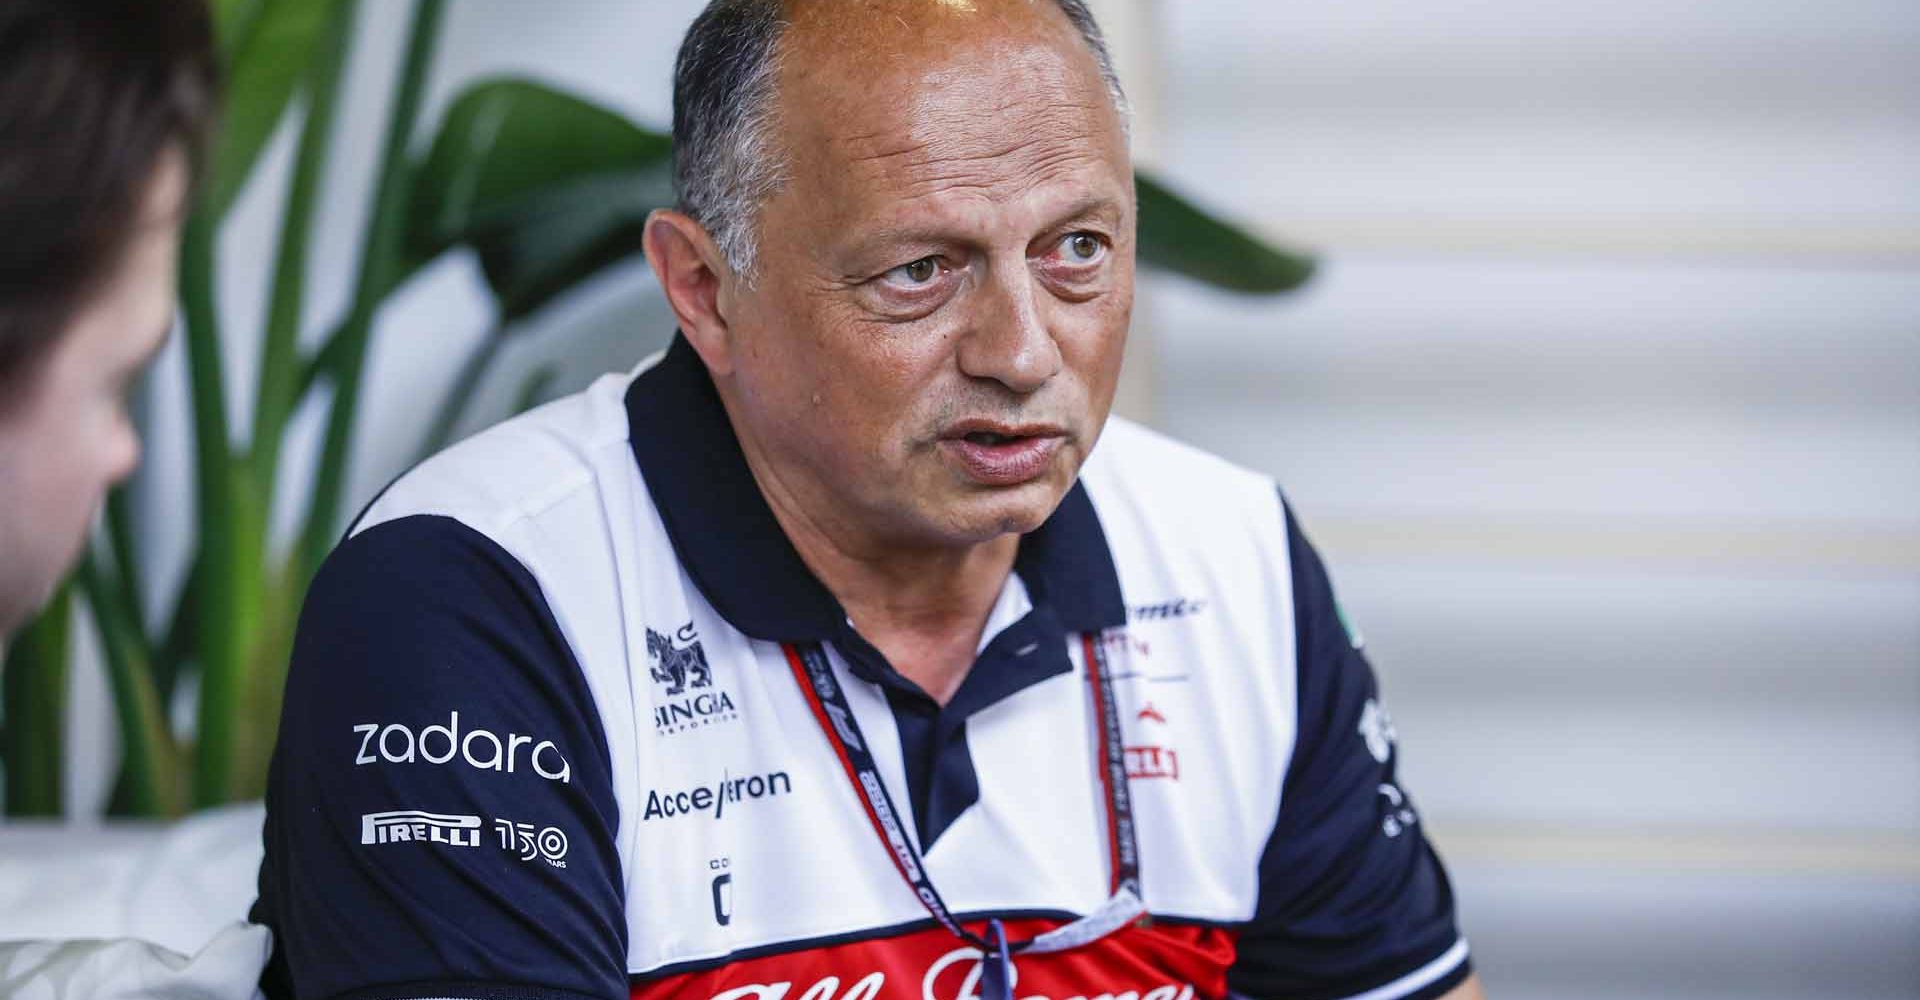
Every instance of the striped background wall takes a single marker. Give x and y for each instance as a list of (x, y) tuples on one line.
[(1606, 410)]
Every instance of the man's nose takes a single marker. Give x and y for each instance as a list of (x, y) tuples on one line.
[(1010, 341)]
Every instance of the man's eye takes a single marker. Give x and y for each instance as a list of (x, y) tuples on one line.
[(1082, 248), (919, 273)]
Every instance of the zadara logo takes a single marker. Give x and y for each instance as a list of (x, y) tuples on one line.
[(397, 744)]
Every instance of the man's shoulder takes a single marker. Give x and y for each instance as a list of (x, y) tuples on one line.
[(518, 469), (1169, 480), (1183, 524), (527, 521)]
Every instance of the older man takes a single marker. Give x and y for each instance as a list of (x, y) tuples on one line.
[(825, 657)]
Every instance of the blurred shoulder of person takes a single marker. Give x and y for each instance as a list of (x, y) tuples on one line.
[(104, 105)]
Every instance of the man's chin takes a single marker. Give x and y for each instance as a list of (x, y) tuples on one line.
[(986, 514)]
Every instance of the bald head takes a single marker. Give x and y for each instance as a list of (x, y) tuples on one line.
[(741, 56), (908, 262), (883, 35)]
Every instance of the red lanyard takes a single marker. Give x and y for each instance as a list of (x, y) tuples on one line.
[(829, 703)]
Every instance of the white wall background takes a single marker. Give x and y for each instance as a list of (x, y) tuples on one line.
[(1605, 409)]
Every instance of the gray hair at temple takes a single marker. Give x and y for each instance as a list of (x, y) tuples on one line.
[(725, 164)]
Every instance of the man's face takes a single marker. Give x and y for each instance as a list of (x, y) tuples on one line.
[(68, 438), (945, 280)]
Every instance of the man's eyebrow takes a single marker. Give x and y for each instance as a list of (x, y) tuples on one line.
[(1091, 205), (1088, 206), (897, 235)]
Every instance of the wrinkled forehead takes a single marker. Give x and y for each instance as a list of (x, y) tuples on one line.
[(877, 29), (908, 90)]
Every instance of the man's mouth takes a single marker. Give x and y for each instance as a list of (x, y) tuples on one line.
[(1002, 455), (990, 438)]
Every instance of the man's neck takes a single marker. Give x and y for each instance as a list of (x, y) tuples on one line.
[(924, 607), (924, 610)]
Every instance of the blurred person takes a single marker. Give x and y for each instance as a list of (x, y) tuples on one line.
[(824, 656), (103, 107)]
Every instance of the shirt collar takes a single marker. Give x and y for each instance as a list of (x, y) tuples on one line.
[(730, 544)]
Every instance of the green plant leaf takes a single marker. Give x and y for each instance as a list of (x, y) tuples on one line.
[(1177, 236), (536, 250), (33, 687), (536, 388), (505, 139), (277, 396), (548, 187), (270, 44), (383, 265), (465, 381), (180, 643), (232, 21), (152, 766)]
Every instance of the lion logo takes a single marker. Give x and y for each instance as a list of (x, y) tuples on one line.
[(678, 667)]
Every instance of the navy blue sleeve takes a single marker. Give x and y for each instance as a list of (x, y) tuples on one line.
[(1352, 898), (440, 811)]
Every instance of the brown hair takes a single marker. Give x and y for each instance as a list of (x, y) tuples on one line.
[(93, 93)]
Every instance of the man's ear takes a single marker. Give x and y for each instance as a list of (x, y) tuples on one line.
[(692, 272)]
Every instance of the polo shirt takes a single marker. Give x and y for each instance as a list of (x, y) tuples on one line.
[(543, 738)]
